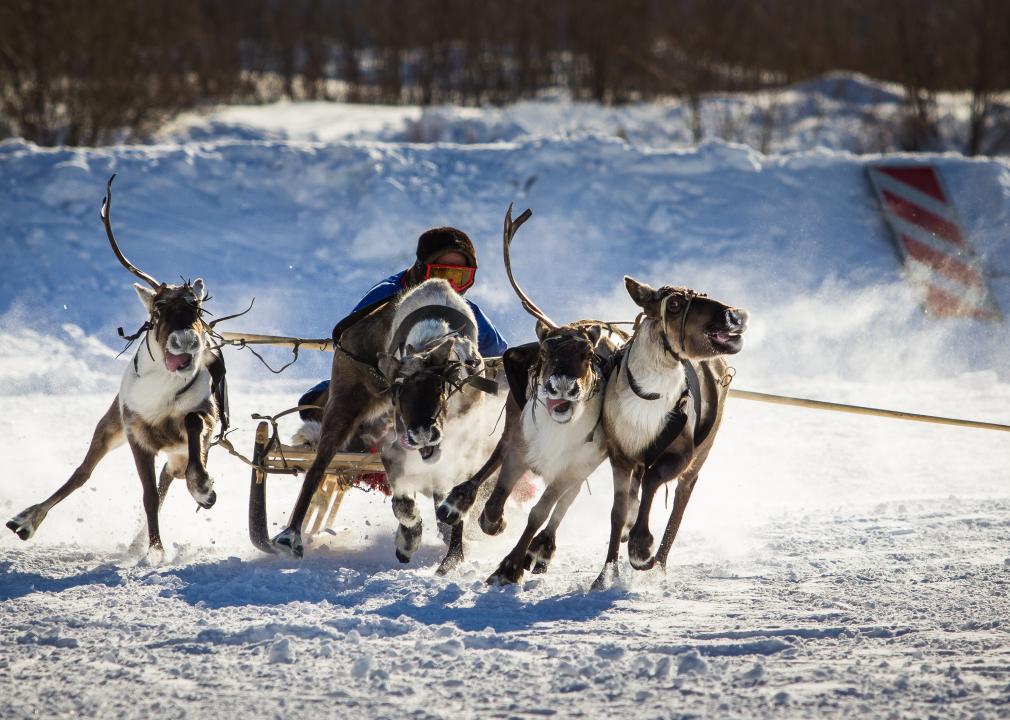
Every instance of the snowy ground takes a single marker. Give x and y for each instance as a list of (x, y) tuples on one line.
[(828, 565)]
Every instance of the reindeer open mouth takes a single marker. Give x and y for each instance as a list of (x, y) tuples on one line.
[(428, 453), (726, 341), (560, 410), (175, 363)]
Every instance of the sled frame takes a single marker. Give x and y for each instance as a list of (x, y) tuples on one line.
[(270, 456)]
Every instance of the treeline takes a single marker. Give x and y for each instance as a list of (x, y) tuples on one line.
[(91, 72)]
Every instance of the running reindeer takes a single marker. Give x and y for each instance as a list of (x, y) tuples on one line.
[(552, 427), (662, 409), (168, 400), (412, 369)]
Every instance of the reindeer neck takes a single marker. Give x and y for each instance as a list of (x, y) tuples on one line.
[(151, 390), (652, 369)]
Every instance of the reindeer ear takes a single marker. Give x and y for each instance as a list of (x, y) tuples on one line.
[(146, 296), (594, 332), (645, 296), (439, 355), (542, 330), (389, 366), (198, 289)]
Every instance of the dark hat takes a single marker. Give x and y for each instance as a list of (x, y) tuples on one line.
[(436, 241)]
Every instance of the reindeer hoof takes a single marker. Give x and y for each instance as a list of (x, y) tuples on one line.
[(207, 502), (289, 542), (449, 512), (640, 552), (508, 573), (540, 554), (455, 506), (449, 563), (608, 576), (25, 522), (408, 540), (492, 527)]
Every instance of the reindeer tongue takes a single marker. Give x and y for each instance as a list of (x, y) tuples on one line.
[(174, 362), (558, 405)]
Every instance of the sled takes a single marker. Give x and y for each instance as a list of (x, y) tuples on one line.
[(272, 457)]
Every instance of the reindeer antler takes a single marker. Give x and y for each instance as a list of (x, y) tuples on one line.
[(106, 210), (511, 226)]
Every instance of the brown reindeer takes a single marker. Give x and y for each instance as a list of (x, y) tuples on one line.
[(552, 427), (166, 402), (662, 409)]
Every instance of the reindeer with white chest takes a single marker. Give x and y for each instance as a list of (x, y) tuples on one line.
[(431, 363), (166, 402), (552, 427), (662, 409)]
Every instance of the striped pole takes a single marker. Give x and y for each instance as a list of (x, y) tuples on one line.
[(927, 234)]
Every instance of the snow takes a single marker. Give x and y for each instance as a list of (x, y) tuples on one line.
[(828, 564)]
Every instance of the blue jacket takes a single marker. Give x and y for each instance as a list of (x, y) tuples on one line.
[(489, 340)]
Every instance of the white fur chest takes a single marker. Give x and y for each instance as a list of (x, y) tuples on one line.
[(555, 450), (632, 420), (464, 438), (154, 394)]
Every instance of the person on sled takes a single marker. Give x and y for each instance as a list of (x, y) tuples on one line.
[(441, 253)]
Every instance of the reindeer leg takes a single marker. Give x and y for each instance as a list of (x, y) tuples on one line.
[(640, 543), (452, 509), (108, 435), (640, 539), (164, 482), (199, 426), (634, 501), (541, 550), (408, 535), (144, 460), (492, 518), (454, 555), (444, 529), (344, 411), (685, 486), (618, 514), (510, 570)]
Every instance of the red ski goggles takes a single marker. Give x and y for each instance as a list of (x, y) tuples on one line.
[(459, 276)]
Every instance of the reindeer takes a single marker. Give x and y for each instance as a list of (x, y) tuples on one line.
[(168, 400), (662, 409), (552, 427), (427, 379)]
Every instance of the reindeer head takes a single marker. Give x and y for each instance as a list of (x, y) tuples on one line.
[(690, 324), (176, 324), (175, 312), (421, 382), (567, 368)]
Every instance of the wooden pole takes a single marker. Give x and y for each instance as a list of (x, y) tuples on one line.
[(860, 410), (327, 344), (279, 340)]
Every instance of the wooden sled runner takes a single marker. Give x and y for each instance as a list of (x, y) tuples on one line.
[(273, 457)]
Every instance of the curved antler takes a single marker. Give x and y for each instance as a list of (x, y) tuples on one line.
[(106, 209), (510, 230)]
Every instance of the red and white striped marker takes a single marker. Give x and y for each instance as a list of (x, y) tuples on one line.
[(927, 233)]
